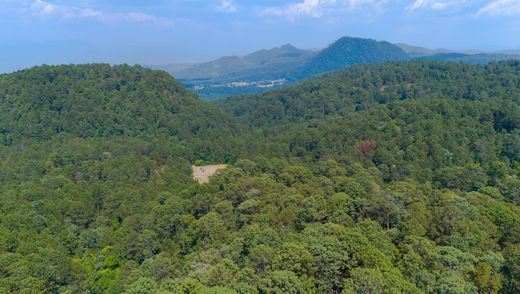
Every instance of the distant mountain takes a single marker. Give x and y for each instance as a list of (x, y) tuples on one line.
[(271, 61), (274, 68), (417, 51), (173, 68), (267, 69), (348, 51)]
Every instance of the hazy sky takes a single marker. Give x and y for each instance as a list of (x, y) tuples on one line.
[(33, 32)]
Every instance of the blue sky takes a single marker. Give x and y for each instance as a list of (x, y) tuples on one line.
[(33, 32)]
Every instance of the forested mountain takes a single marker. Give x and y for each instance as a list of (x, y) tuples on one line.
[(347, 52), (394, 178)]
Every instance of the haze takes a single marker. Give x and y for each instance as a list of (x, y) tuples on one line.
[(179, 31)]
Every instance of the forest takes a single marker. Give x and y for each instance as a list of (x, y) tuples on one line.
[(402, 177)]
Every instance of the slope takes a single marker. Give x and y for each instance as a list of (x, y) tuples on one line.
[(249, 67), (348, 51), (99, 100), (479, 58), (365, 86)]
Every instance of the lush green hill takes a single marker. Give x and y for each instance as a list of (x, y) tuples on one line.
[(364, 86), (394, 178), (347, 52), (103, 101)]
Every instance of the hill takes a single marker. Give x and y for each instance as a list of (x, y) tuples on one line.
[(249, 67), (417, 51), (347, 52), (479, 58), (364, 86), (99, 100), (401, 177)]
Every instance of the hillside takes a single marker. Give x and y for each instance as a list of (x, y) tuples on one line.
[(417, 51), (401, 177), (101, 101), (247, 67), (347, 52), (365, 86), (479, 58)]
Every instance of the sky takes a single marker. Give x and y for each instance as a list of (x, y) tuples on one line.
[(35, 32)]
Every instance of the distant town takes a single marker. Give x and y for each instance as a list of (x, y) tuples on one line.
[(263, 84)]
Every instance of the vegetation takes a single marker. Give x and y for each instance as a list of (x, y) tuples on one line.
[(480, 58), (394, 178), (347, 52), (362, 87)]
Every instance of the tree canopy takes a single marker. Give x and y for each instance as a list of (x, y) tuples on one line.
[(394, 178)]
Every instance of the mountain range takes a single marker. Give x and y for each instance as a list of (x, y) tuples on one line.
[(277, 67)]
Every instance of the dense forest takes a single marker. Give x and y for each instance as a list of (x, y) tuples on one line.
[(402, 177)]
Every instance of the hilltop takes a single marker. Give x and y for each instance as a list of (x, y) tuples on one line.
[(100, 100)]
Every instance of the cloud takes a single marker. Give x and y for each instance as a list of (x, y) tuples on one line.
[(47, 9), (317, 8), (227, 6), (501, 7), (433, 4)]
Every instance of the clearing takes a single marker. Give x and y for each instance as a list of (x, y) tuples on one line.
[(203, 173)]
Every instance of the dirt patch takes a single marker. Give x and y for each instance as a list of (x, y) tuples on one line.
[(203, 173)]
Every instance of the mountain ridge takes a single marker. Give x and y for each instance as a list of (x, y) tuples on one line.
[(273, 68), (342, 53)]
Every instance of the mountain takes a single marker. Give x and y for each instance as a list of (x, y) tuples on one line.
[(241, 68), (417, 51), (401, 177), (172, 68), (267, 69), (347, 52), (274, 68)]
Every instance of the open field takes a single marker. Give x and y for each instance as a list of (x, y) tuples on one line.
[(203, 173)]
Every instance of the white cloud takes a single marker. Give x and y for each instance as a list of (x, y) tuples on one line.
[(317, 8), (501, 7), (434, 4), (227, 6), (47, 9)]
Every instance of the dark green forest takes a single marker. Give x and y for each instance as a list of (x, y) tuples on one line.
[(402, 177)]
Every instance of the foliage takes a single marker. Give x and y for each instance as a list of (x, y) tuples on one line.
[(417, 194)]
